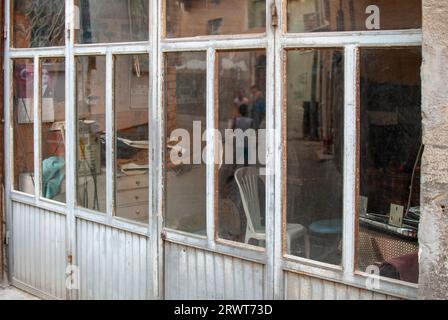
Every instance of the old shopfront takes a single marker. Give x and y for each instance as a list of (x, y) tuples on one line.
[(99, 95)]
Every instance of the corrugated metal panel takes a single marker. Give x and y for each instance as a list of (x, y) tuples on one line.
[(303, 287), (113, 264), (39, 249), (192, 273), (2, 211)]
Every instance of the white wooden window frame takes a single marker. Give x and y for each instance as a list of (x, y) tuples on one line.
[(274, 41), (212, 45), (352, 42), (69, 52)]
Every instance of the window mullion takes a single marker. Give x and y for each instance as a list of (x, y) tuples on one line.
[(70, 140), (37, 126), (273, 281), (8, 133), (210, 155), (350, 163), (155, 250), (110, 139), (70, 112)]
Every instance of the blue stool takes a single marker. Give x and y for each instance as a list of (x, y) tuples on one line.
[(325, 229), (330, 227)]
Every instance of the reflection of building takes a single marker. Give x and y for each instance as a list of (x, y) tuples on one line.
[(114, 21), (342, 15), (201, 17)]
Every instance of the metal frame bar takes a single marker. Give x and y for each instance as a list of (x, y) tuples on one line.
[(7, 68), (155, 253), (350, 154), (271, 278), (37, 127), (278, 159), (384, 39), (110, 133), (211, 116), (71, 137)]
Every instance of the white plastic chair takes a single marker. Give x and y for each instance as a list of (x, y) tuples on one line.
[(247, 180)]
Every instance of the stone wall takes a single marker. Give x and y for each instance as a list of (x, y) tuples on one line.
[(434, 224)]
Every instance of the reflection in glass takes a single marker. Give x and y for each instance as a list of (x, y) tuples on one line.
[(38, 23), (189, 18), (131, 88), (106, 21), (242, 117), (353, 15), (90, 114), (391, 148), (185, 119), (23, 117), (315, 109), (52, 104)]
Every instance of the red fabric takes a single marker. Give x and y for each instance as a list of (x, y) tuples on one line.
[(407, 267)]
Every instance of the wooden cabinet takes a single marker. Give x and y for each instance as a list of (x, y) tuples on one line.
[(132, 197)]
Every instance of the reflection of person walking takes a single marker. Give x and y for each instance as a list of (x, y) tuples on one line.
[(244, 123), (311, 120), (258, 107), (239, 100)]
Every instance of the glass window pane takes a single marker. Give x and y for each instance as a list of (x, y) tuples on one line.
[(131, 87), (23, 117), (185, 118), (315, 119), (189, 18), (91, 126), (391, 148), (241, 176), (105, 21), (52, 104), (38, 23), (349, 15)]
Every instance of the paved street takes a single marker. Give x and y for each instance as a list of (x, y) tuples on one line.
[(11, 293)]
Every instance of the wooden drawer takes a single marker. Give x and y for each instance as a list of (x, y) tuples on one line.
[(132, 197), (132, 182), (137, 212)]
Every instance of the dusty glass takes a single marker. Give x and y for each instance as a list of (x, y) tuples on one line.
[(106, 21), (38, 23), (185, 122), (189, 18), (131, 88), (53, 128), (23, 123), (353, 15), (315, 153), (242, 123), (91, 127), (390, 162)]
